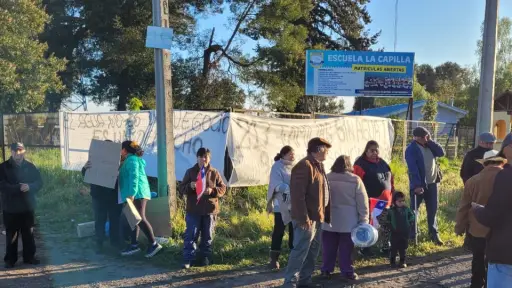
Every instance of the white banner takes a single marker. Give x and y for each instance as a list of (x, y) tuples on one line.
[(254, 141), (192, 130)]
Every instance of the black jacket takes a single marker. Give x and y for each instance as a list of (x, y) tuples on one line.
[(469, 166), (13, 199), (496, 215), (100, 192)]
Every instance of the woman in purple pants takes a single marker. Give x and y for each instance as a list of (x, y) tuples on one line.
[(349, 207)]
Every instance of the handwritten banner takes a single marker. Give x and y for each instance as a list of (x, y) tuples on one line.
[(254, 141), (192, 130)]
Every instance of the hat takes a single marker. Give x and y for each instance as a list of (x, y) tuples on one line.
[(487, 137), (317, 142), (507, 141), (17, 146), (491, 155), (420, 132)]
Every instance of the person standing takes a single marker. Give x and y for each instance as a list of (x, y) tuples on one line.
[(470, 166), (105, 206), (424, 177), (201, 216), (349, 208), (478, 189), (278, 202), (401, 219), (496, 216), (309, 191), (134, 185), (20, 180), (378, 181)]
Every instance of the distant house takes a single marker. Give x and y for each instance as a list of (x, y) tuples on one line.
[(445, 113), (502, 116)]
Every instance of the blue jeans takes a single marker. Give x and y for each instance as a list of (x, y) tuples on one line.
[(431, 202), (306, 247), (203, 225), (499, 276)]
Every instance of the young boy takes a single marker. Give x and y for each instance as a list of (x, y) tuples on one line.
[(203, 186), (401, 219)]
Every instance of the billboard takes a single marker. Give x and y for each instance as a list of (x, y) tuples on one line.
[(359, 73)]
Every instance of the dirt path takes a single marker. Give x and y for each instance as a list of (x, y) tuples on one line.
[(68, 265)]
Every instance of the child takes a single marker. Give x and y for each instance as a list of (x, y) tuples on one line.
[(401, 219), (203, 186)]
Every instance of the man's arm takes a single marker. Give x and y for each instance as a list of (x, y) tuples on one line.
[(299, 183), (185, 184), (466, 168), (412, 167), (492, 214), (462, 217), (5, 186), (220, 188), (36, 182), (437, 150)]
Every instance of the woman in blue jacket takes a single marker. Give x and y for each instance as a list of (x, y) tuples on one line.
[(134, 185)]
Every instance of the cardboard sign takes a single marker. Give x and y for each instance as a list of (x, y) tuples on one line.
[(104, 157)]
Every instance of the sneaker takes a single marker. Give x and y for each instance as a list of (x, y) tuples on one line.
[(437, 241), (130, 250), (351, 276), (8, 265), (33, 261), (403, 265), (153, 250), (326, 274), (186, 265)]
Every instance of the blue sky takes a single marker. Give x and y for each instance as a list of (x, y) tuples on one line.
[(437, 31)]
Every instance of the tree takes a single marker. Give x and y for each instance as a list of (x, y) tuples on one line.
[(503, 80), (122, 67), (64, 34), (429, 110), (26, 72), (292, 27), (426, 77)]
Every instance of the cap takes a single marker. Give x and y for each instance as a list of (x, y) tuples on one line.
[(507, 141), (487, 137), (17, 146), (491, 155), (420, 132), (316, 142)]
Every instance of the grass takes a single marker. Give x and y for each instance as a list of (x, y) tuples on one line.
[(243, 232)]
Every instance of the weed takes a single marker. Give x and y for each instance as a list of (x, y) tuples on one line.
[(243, 231)]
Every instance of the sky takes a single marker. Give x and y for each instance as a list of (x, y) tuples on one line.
[(436, 31)]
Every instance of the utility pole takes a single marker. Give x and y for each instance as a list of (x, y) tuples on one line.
[(164, 111), (396, 25), (484, 121)]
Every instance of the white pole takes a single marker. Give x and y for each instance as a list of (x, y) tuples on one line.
[(164, 112), (488, 68)]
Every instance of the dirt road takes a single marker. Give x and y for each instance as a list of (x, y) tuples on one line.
[(69, 265)]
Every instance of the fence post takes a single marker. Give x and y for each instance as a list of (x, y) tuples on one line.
[(2, 136), (404, 140)]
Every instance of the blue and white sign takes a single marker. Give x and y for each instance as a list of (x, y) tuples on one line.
[(359, 73)]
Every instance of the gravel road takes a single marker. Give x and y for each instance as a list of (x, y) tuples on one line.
[(66, 266)]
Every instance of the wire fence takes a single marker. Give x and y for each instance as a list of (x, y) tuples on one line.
[(41, 130)]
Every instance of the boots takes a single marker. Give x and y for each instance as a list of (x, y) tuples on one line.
[(274, 257)]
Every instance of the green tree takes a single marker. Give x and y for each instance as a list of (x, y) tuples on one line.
[(429, 110), (64, 34), (292, 27), (26, 72), (426, 77), (503, 80)]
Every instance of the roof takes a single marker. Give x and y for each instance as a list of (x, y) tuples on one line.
[(387, 111)]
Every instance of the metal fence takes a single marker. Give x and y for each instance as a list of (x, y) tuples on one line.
[(41, 130)]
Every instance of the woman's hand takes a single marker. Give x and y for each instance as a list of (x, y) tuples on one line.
[(193, 185), (88, 165)]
